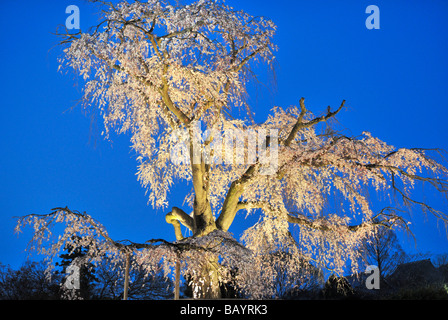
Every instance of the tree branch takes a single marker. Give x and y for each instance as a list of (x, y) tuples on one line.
[(229, 208), (246, 60), (181, 217), (302, 125), (406, 199), (170, 104), (381, 219), (124, 245)]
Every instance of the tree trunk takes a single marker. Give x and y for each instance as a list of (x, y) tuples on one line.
[(204, 222), (207, 286)]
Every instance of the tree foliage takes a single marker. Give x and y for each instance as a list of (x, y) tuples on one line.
[(30, 282), (86, 270), (383, 250)]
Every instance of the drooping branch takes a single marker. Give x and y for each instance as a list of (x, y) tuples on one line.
[(441, 185), (408, 200), (370, 159), (92, 231), (386, 218)]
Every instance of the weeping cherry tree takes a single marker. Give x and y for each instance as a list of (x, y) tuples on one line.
[(172, 77)]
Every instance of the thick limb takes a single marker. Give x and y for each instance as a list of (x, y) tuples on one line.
[(176, 217), (236, 189), (229, 208)]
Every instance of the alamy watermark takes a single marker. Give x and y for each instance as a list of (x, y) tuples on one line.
[(373, 280), (228, 147), (73, 20), (72, 281), (373, 20)]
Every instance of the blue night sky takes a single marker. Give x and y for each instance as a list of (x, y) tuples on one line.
[(395, 81)]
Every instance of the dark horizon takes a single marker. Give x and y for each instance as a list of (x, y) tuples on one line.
[(394, 80)]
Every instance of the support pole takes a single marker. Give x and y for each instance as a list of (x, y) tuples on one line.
[(126, 277), (177, 281), (178, 232)]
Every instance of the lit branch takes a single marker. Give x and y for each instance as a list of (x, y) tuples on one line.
[(300, 124), (88, 228), (388, 220)]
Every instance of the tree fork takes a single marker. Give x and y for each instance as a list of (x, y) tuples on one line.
[(201, 225)]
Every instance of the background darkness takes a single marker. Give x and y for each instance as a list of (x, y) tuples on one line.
[(394, 80)]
